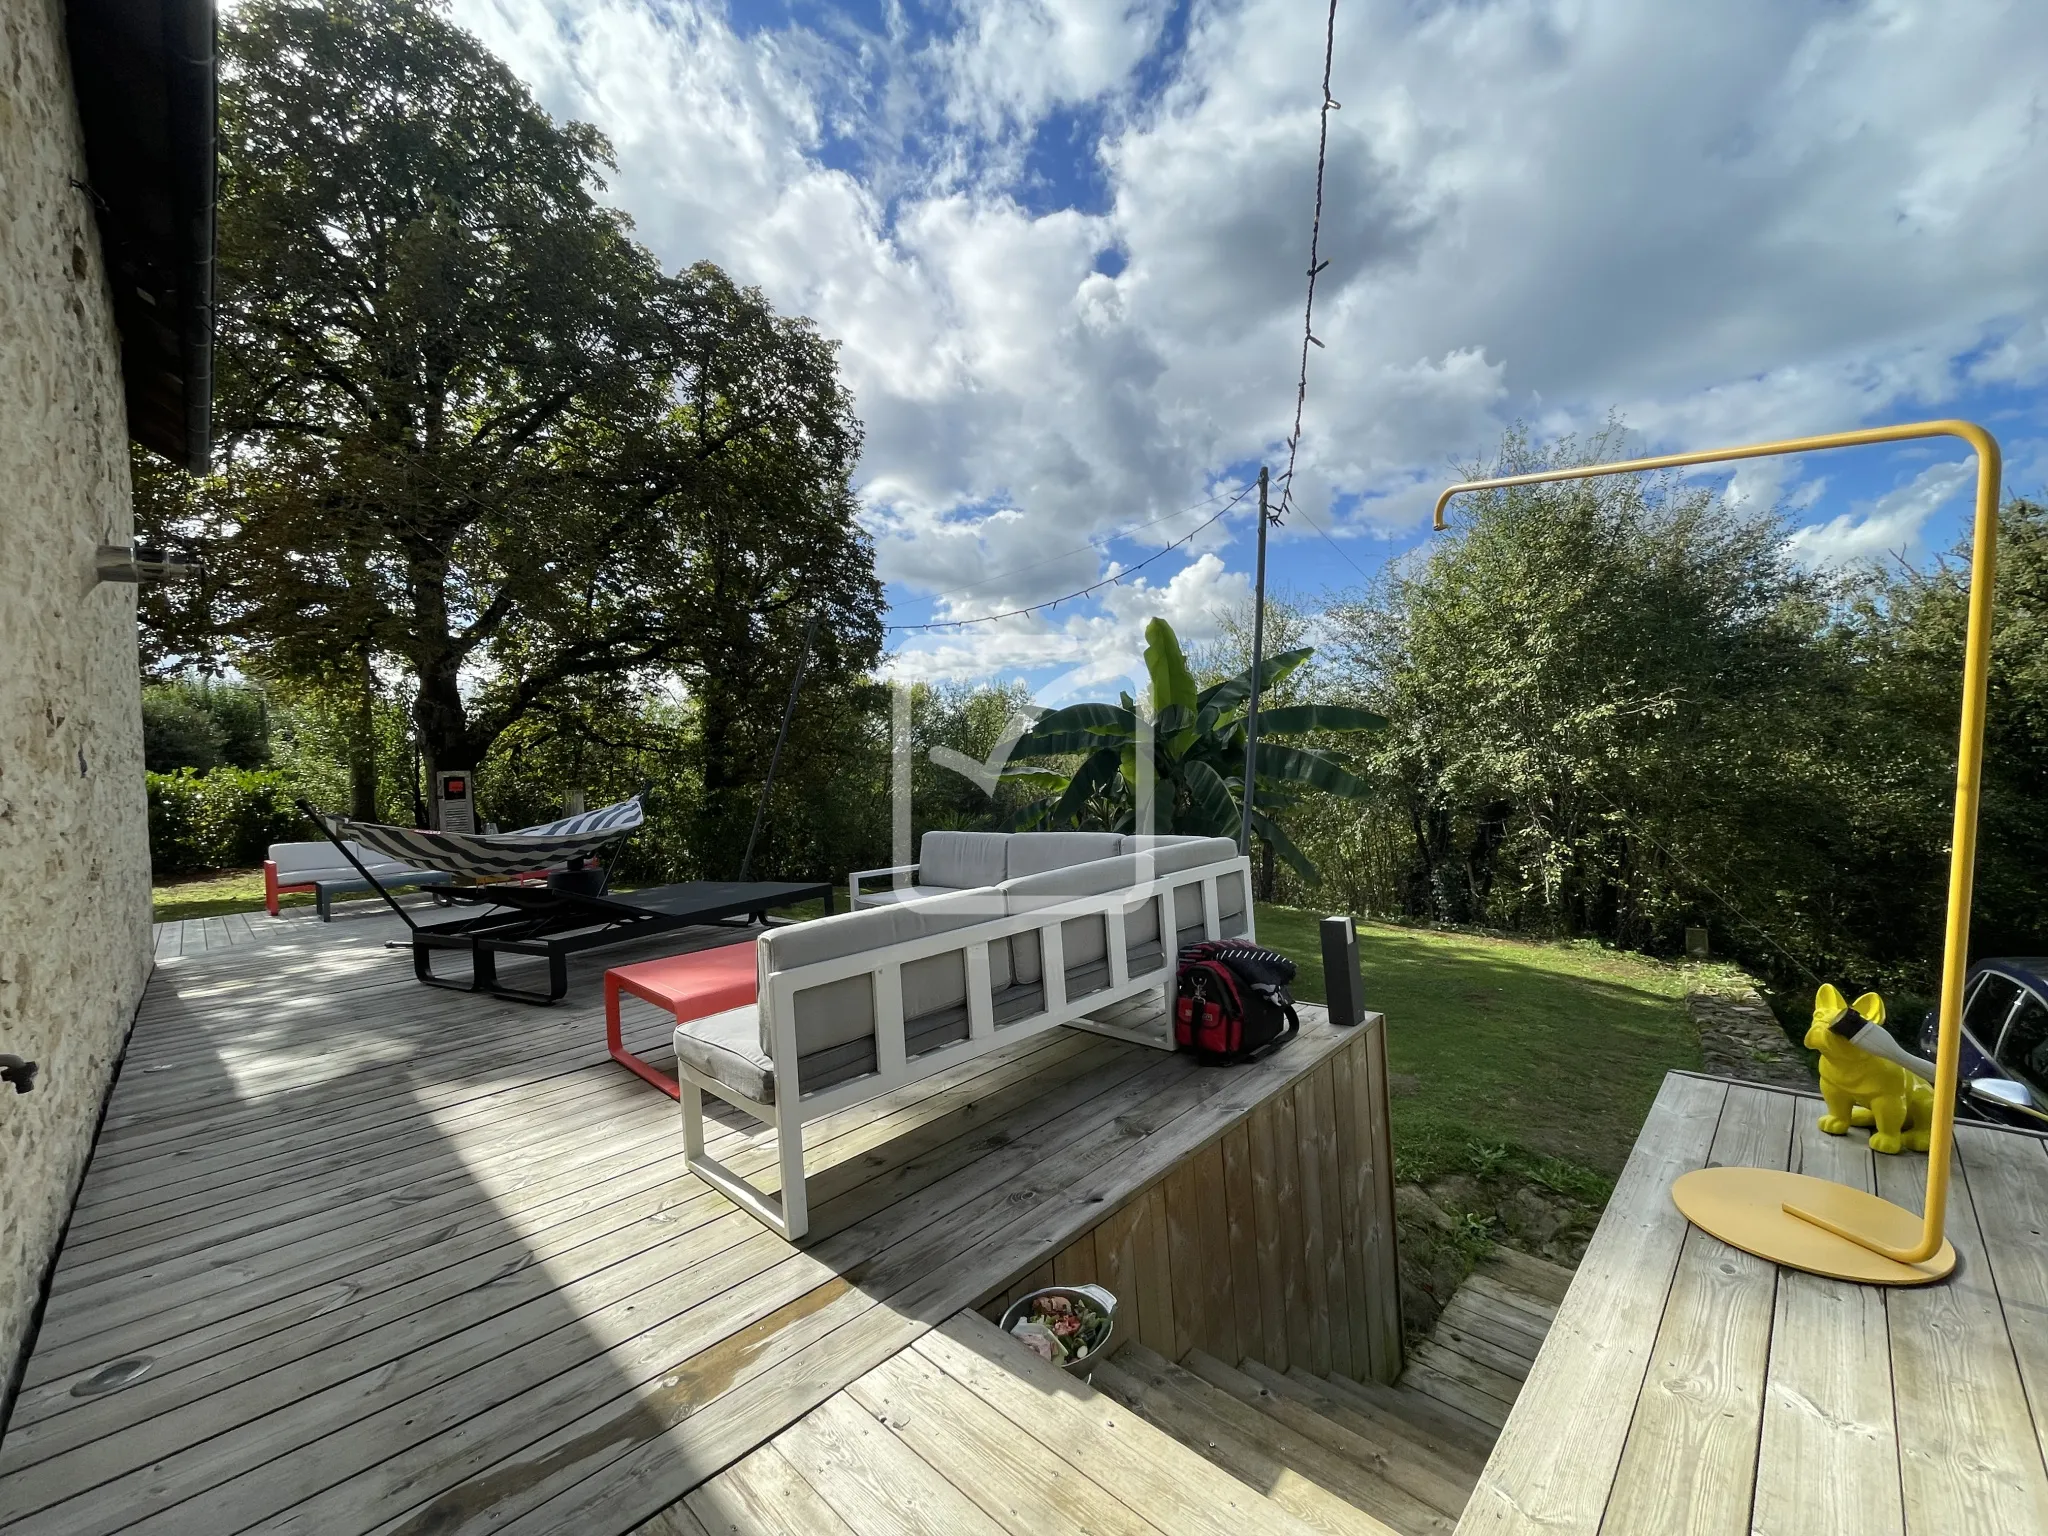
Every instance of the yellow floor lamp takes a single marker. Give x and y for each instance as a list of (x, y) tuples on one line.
[(1793, 1218)]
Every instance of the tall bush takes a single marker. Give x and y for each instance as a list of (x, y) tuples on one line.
[(226, 819)]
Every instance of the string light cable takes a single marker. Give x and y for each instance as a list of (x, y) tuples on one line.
[(1316, 264), (1088, 591), (1099, 541)]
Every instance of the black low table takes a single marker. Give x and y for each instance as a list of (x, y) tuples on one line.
[(552, 924)]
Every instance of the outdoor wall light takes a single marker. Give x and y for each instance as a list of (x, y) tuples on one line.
[(1796, 1219), (18, 1074), (144, 562)]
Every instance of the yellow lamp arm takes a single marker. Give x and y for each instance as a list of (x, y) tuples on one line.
[(1969, 761)]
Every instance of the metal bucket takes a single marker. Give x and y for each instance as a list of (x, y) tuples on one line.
[(1102, 1300)]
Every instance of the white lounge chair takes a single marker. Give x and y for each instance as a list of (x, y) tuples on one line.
[(854, 1006), (317, 867)]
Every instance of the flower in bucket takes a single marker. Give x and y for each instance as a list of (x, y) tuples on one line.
[(1061, 1328)]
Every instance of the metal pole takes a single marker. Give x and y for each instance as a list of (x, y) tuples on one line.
[(1752, 1217), (1251, 714), (775, 758)]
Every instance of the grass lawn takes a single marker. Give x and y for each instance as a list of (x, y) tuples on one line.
[(1538, 1060), (217, 894)]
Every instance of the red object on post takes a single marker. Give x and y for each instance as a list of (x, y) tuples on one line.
[(692, 986)]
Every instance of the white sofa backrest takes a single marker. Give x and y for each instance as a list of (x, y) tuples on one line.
[(311, 859), (962, 861), (1036, 853), (835, 1021)]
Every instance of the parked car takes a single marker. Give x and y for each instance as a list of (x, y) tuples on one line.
[(2003, 1075)]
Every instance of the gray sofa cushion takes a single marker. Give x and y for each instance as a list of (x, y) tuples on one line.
[(1230, 897), (1143, 951), (840, 1015), (727, 1046), (1094, 878), (1189, 926), (855, 933), (961, 861), (1171, 857), (1033, 853), (882, 896)]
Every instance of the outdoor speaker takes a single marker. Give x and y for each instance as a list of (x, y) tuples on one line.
[(1341, 980)]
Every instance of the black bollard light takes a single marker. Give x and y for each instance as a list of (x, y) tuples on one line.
[(1342, 983)]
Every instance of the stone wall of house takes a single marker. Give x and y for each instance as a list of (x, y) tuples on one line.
[(74, 844)]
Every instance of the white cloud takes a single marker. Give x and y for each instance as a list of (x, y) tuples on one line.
[(1096, 650), (1755, 218), (1887, 526)]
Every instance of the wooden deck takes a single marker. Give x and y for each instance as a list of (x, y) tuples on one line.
[(353, 1255), (200, 935), (1690, 1387)]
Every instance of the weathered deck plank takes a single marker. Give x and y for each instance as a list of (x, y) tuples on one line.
[(406, 1260), (1969, 1457), (1691, 1453), (1829, 1455), (1779, 1403), (1556, 1458)]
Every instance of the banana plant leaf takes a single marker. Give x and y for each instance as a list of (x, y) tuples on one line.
[(1291, 718), (1274, 671), (1077, 728), (1173, 686), (1097, 772), (1302, 765), (1213, 804), (1269, 829)]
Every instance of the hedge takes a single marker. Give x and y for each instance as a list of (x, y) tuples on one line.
[(224, 819)]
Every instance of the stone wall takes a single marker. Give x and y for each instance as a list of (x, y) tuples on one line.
[(74, 846)]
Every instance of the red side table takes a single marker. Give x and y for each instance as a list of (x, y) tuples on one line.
[(692, 986)]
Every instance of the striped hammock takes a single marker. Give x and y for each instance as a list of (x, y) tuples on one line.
[(478, 854)]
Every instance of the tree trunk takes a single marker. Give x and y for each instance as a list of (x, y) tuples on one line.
[(362, 767), (443, 726)]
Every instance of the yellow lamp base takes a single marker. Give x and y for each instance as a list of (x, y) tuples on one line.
[(1746, 1207)]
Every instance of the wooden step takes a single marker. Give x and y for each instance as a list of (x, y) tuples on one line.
[(1537, 1315), (1144, 1465), (1513, 1334), (1463, 1384), (1260, 1452), (1021, 1480), (1388, 1459), (1455, 1463), (1533, 1277), (1460, 1460), (1501, 1359), (1400, 1403)]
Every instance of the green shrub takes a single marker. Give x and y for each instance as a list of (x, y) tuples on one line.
[(226, 819), (192, 723)]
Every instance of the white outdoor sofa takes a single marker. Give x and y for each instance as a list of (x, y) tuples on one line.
[(316, 867), (852, 1006)]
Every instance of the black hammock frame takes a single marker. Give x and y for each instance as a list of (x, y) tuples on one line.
[(573, 911)]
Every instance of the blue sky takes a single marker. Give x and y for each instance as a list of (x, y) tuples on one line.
[(1062, 242)]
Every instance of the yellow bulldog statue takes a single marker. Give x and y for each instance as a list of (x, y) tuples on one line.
[(1862, 1078)]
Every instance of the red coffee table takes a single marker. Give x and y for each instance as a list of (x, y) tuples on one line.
[(692, 986)]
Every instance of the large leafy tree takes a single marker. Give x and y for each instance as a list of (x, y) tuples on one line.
[(1622, 707), (1190, 742), (1597, 686), (470, 426)]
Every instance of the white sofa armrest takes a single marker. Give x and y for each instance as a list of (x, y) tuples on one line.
[(853, 880)]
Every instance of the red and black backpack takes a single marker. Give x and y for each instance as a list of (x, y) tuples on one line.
[(1232, 1003)]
